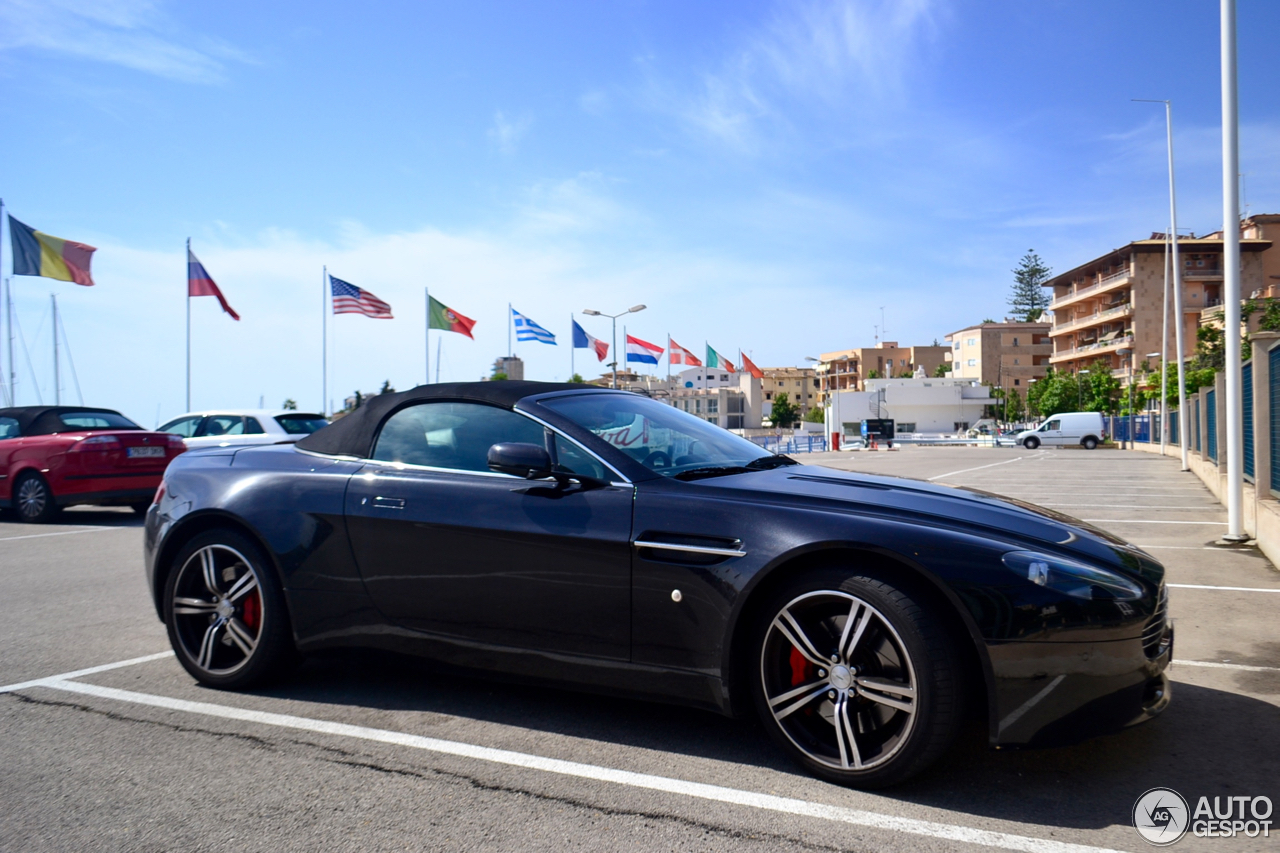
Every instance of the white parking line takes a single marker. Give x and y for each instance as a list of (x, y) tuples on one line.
[(1229, 588), (61, 533), (979, 468), (698, 790), (1146, 521), (79, 673), (1239, 666), (1135, 506)]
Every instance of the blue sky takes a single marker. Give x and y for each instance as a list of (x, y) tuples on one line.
[(763, 175)]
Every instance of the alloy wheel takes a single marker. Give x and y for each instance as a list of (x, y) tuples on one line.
[(33, 498), (838, 680), (217, 609)]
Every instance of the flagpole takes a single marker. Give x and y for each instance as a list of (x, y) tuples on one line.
[(511, 321), (324, 341), (572, 343), (669, 362), (426, 333), (8, 388), (188, 324), (57, 382)]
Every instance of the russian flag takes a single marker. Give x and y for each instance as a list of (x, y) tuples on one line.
[(200, 283), (642, 351)]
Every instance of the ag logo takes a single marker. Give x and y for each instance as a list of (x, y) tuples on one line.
[(1161, 816)]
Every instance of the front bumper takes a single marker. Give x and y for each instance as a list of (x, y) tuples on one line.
[(1052, 693)]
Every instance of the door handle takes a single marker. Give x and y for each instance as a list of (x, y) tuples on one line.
[(388, 503)]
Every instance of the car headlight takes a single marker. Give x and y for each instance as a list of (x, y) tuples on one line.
[(1076, 579)]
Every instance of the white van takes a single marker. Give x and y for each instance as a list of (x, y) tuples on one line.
[(1082, 428)]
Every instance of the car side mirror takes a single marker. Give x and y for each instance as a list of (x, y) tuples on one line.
[(530, 461)]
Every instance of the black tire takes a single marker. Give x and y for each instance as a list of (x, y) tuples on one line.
[(895, 678), (33, 500), (225, 612), (1089, 443), (1031, 442)]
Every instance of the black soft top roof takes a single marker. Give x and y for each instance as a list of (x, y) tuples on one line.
[(46, 420), (353, 435)]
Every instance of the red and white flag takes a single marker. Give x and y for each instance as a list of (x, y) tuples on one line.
[(680, 355)]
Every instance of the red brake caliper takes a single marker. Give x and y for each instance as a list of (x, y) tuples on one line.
[(252, 611), (801, 669)]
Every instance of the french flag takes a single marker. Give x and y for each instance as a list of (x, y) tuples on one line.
[(642, 351)]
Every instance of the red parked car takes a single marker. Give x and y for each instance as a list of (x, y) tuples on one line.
[(57, 456)]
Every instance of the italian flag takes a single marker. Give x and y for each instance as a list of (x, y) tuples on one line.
[(717, 361), (444, 317)]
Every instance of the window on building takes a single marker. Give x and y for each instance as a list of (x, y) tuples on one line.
[(768, 395), (713, 406), (1015, 361), (972, 342), (961, 426), (904, 426), (973, 362), (724, 377), (1015, 342), (957, 345), (1017, 382)]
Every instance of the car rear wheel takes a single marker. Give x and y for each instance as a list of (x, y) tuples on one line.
[(1031, 443), (1090, 443), (856, 681), (33, 499), (225, 612)]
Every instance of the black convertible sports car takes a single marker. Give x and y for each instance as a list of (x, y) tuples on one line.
[(603, 540)]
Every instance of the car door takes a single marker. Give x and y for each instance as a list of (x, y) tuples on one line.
[(1072, 430), (1051, 432), (448, 547), (10, 442)]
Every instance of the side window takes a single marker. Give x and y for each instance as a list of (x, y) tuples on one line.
[(573, 459), (252, 427), (185, 427), (1052, 425), (8, 428), (223, 425), (451, 435)]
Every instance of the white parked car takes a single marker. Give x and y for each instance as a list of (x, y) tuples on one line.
[(235, 427), (1082, 428)]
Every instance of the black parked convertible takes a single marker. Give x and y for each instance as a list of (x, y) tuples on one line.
[(603, 540)]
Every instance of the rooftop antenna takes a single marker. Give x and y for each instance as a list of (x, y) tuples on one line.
[(883, 329)]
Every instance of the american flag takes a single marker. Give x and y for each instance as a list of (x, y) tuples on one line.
[(349, 299)]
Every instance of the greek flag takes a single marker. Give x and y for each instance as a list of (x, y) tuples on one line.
[(527, 330)]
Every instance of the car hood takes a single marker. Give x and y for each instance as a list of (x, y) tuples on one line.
[(982, 512)]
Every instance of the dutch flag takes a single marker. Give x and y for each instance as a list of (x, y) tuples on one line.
[(642, 351)]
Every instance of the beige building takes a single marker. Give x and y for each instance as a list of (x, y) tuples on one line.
[(1115, 301), (737, 406), (847, 370), (800, 384), (1004, 355)]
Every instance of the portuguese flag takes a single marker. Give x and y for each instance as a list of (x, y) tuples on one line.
[(41, 254), (444, 317)]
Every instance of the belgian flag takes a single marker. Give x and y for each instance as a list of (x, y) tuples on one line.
[(41, 254)]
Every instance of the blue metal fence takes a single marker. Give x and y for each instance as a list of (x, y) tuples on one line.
[(1174, 421), (1246, 394), (1273, 405), (1144, 426), (802, 443), (1211, 425)]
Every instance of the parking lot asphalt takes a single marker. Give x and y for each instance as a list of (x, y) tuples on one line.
[(358, 751)]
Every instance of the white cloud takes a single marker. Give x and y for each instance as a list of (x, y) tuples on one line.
[(855, 53), (507, 133), (131, 33)]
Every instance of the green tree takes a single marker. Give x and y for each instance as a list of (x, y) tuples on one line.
[(1012, 409), (1028, 298), (498, 377), (874, 374), (942, 370), (783, 414), (1056, 392), (577, 377), (290, 405), (816, 415), (1101, 389)]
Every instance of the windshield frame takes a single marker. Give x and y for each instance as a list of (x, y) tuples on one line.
[(624, 463)]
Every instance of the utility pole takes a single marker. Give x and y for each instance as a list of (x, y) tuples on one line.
[(1231, 274)]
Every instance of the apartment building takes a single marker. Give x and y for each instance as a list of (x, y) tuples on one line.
[(800, 384), (848, 370), (736, 406), (1003, 355), (1115, 301)]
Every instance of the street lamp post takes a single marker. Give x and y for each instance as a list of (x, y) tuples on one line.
[(614, 317)]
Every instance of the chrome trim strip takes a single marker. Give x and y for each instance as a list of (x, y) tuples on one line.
[(691, 549)]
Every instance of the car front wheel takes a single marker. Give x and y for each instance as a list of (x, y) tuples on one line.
[(1031, 443), (1090, 443), (33, 499), (855, 680), (225, 612)]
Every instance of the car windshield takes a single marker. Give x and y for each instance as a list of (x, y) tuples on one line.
[(96, 420), (301, 424), (662, 438)]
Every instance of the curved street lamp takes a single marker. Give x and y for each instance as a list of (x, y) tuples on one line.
[(614, 317)]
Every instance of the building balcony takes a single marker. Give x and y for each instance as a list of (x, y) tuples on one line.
[(1088, 350), (1102, 285), (1201, 273), (1092, 319)]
